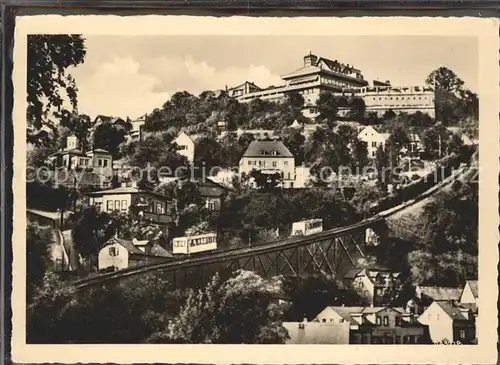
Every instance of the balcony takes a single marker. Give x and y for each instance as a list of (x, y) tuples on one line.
[(158, 218)]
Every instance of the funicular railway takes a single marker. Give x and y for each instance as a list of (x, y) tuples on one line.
[(333, 251)]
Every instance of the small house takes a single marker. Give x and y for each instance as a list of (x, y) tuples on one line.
[(119, 254)]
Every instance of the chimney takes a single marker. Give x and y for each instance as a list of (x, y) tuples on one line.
[(310, 60)]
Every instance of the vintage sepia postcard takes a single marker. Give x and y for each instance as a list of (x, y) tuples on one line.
[(302, 189)]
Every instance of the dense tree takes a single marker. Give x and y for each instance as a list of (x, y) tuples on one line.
[(122, 313), (38, 241), (310, 295), (389, 115), (372, 118), (294, 140), (453, 102), (240, 310), (49, 57), (435, 141), (296, 100), (108, 137), (447, 251), (158, 151), (77, 124), (266, 181), (445, 79), (208, 154), (357, 108), (327, 107)]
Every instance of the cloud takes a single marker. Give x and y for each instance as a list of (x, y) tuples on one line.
[(117, 88), (125, 86)]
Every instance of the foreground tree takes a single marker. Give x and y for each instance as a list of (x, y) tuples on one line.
[(123, 313), (49, 57), (240, 310), (38, 242)]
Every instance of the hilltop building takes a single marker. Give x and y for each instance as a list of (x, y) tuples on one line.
[(319, 74)]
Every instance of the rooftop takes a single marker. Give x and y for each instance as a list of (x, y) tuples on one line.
[(267, 149), (440, 292), (474, 286), (125, 190)]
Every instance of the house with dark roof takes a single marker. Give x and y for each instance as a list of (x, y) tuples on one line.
[(269, 157), (119, 254), (424, 296), (115, 121), (380, 286), (376, 325), (448, 320)]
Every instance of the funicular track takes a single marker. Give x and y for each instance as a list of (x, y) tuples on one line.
[(332, 252)]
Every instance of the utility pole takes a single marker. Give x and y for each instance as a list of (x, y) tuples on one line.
[(439, 140)]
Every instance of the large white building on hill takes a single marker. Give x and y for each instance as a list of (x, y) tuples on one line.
[(319, 74)]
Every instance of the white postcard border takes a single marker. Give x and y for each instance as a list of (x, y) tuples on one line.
[(483, 353)]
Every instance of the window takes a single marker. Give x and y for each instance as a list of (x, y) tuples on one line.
[(249, 163), (462, 333), (105, 162), (398, 339), (360, 284), (98, 206), (379, 321), (386, 321), (398, 321), (159, 208), (437, 317), (117, 205), (285, 163), (429, 316), (275, 163), (99, 162), (324, 319), (113, 251), (109, 206), (124, 205), (211, 205)]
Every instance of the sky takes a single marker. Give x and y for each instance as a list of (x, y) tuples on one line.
[(129, 76)]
